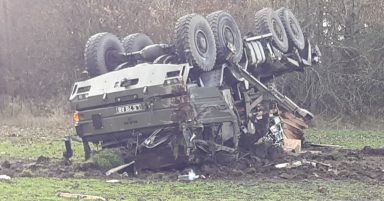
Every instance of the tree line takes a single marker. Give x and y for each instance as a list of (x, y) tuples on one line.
[(42, 42)]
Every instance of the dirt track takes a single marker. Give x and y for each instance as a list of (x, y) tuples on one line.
[(366, 165)]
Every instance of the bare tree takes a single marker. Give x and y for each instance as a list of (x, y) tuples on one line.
[(41, 45)]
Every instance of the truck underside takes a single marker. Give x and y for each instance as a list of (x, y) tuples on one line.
[(165, 107)]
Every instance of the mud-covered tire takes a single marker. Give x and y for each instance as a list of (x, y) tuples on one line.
[(136, 42), (292, 28), (96, 53), (267, 21), (194, 41), (225, 29)]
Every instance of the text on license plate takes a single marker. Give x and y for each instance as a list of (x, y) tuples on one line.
[(129, 108)]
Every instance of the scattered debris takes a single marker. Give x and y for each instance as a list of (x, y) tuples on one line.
[(302, 162), (292, 145), (311, 152), (318, 164), (116, 169), (5, 177), (289, 165), (293, 126), (124, 174), (325, 145), (113, 181), (287, 176), (80, 196), (334, 171), (190, 176), (325, 163), (30, 165)]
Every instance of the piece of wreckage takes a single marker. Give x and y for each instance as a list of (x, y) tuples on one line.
[(210, 91)]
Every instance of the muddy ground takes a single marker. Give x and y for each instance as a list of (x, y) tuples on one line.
[(366, 165)]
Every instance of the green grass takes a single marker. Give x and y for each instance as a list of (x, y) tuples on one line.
[(131, 189), (351, 139), (107, 159), (47, 189), (32, 149)]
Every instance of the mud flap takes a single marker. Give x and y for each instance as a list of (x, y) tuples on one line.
[(87, 149), (68, 148)]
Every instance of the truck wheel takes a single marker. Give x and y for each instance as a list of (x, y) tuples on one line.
[(292, 27), (136, 42), (195, 42), (225, 30), (268, 22), (97, 53)]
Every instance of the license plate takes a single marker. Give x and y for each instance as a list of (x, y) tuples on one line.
[(129, 108)]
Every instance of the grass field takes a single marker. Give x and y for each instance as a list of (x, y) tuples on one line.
[(53, 147), (26, 147), (349, 139), (47, 189), (33, 148)]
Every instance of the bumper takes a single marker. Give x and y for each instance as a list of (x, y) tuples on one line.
[(99, 128)]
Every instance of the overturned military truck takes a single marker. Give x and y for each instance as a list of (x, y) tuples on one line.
[(209, 92)]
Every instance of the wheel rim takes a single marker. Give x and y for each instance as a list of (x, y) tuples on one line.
[(110, 60), (294, 28), (201, 42), (278, 30), (228, 35)]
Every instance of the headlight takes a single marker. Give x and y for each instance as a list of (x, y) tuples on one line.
[(82, 96), (171, 81), (76, 117)]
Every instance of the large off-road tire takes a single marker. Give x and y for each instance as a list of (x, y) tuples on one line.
[(136, 42), (195, 42), (97, 53), (267, 21), (225, 30), (292, 28)]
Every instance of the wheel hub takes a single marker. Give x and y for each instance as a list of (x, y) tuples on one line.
[(277, 29), (201, 42), (294, 28), (228, 35), (110, 59)]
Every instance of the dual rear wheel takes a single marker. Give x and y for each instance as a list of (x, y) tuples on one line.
[(284, 27), (100, 47), (204, 42)]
